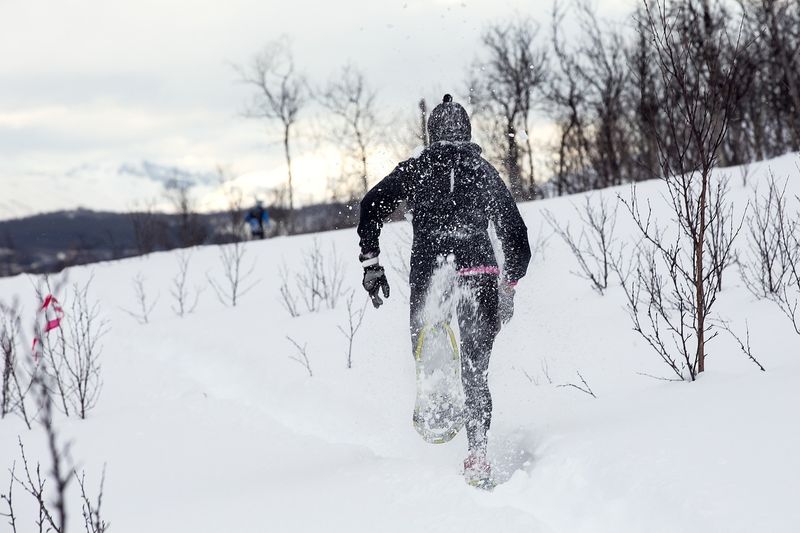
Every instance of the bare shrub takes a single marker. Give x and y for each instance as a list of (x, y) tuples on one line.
[(288, 299), (594, 247), (769, 265), (185, 301), (355, 317), (144, 305), (49, 488), (92, 516), (50, 351), (744, 345), (235, 281), (70, 354), (583, 387), (764, 264), (318, 284), (15, 386), (301, 357), (82, 362)]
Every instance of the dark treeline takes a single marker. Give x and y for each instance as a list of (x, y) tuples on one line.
[(53, 241)]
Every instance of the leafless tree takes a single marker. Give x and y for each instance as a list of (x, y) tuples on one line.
[(660, 285), (643, 94), (236, 282), (676, 277), (772, 117), (588, 91), (301, 357), (280, 94), (145, 306), (355, 317), (595, 246), (185, 300), (505, 86), (356, 128), (603, 69), (568, 98)]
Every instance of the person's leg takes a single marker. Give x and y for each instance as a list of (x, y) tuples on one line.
[(417, 290), (478, 325)]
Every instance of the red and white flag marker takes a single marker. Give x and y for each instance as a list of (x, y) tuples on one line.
[(48, 318)]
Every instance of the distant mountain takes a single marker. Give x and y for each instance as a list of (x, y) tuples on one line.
[(104, 186)]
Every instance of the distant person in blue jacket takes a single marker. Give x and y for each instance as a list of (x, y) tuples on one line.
[(258, 218)]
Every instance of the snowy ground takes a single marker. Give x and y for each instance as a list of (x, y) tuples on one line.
[(207, 425)]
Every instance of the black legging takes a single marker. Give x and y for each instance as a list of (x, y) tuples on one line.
[(478, 326)]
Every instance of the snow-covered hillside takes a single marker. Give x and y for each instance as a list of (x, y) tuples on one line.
[(207, 424)]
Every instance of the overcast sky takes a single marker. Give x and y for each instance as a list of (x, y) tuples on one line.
[(107, 82)]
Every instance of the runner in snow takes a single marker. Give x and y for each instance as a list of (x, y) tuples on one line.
[(453, 194), (258, 218)]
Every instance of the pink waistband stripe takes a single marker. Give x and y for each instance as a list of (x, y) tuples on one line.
[(474, 271)]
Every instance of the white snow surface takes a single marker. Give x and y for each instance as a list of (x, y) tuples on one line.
[(207, 425)]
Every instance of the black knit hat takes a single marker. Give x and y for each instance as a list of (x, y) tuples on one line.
[(449, 122)]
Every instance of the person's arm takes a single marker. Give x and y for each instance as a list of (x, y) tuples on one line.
[(510, 227), (378, 204)]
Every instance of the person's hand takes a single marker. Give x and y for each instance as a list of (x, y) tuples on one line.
[(375, 282), (505, 304)]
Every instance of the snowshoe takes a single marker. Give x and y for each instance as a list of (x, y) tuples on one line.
[(439, 408)]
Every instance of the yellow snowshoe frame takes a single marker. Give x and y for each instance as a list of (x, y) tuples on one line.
[(418, 357)]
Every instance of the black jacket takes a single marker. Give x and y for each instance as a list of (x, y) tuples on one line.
[(453, 194)]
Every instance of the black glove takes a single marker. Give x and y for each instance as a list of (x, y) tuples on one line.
[(375, 281), (505, 303)]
